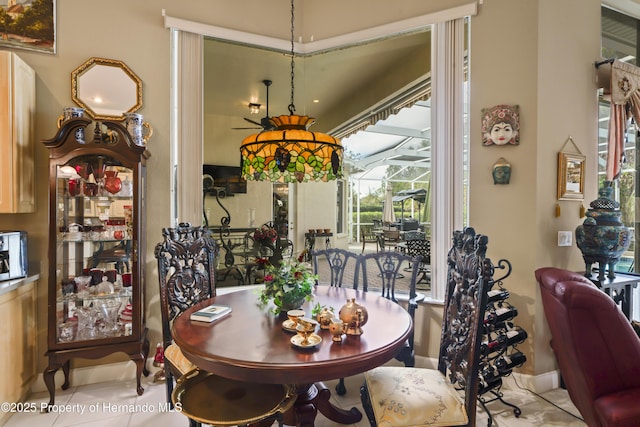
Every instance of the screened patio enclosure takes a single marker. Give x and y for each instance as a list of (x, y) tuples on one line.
[(389, 144)]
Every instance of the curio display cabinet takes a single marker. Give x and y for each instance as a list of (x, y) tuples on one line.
[(96, 246)]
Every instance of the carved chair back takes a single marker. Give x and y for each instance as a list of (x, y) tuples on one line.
[(186, 271), (469, 279), (388, 270), (391, 271), (341, 265)]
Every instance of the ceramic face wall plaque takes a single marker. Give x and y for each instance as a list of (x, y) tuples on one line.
[(501, 125)]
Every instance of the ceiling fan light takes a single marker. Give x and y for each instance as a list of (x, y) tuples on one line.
[(254, 108), (291, 153)]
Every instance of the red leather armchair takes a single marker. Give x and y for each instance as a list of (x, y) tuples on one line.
[(597, 351)]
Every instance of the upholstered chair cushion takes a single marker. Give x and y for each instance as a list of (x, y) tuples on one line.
[(404, 397), (619, 409), (174, 356)]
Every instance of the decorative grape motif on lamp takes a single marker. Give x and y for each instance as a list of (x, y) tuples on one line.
[(291, 153)]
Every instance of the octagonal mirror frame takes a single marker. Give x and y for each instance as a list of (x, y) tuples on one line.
[(106, 89)]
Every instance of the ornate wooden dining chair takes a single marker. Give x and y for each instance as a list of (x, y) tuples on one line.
[(395, 275), (385, 267), (340, 267), (186, 273), (400, 396), (337, 265)]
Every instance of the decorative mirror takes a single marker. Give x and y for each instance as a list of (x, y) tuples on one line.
[(106, 89), (570, 173)]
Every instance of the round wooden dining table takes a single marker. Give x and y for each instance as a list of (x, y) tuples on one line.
[(251, 345)]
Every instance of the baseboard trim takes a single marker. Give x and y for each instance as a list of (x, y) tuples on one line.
[(516, 381), (537, 383)]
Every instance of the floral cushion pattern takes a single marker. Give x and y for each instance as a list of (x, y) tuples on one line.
[(175, 357), (412, 397)]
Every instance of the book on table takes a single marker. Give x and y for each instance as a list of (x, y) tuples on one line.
[(210, 313)]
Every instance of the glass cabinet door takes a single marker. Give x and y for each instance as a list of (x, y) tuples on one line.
[(94, 197)]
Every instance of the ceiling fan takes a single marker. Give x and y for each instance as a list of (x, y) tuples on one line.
[(265, 123)]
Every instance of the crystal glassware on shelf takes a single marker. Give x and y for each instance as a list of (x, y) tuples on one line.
[(87, 317), (82, 283), (67, 330), (99, 168), (110, 309)]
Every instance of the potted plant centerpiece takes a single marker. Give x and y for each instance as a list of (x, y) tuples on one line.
[(288, 285)]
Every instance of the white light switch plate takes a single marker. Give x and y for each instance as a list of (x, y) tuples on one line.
[(565, 238)]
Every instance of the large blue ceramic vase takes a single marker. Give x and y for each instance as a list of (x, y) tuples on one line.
[(602, 237)]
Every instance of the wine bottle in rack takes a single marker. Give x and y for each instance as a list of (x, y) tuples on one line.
[(502, 341), (498, 327), (505, 363), (490, 372), (498, 356), (496, 295), (500, 315), (488, 384)]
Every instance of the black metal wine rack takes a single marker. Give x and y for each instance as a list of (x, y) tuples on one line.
[(499, 354)]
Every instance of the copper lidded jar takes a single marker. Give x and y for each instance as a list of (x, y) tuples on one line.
[(354, 316)]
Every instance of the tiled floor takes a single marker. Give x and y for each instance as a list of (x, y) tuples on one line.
[(116, 404)]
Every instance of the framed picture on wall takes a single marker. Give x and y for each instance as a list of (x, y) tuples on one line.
[(570, 176), (28, 25)]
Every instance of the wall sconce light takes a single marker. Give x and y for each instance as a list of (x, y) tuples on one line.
[(254, 108)]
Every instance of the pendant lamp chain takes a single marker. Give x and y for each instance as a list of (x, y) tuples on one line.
[(290, 152), (292, 107)]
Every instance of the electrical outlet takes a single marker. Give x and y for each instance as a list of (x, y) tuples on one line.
[(565, 238)]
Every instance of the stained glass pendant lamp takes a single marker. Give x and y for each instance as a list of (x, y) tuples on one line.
[(290, 152)]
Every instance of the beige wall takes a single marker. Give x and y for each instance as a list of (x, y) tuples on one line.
[(537, 54)]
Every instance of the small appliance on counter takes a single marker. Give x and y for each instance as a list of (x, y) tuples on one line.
[(13, 255)]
